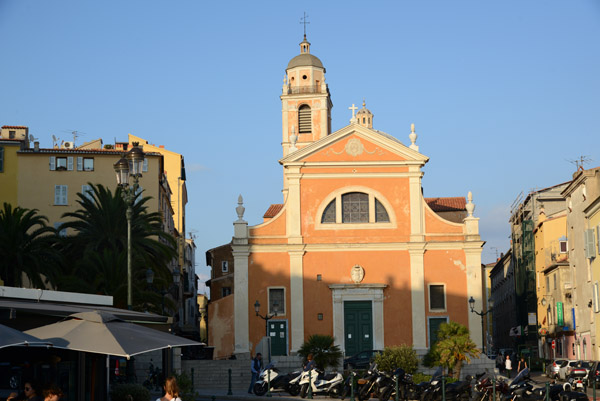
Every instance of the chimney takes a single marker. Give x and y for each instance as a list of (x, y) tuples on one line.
[(36, 146)]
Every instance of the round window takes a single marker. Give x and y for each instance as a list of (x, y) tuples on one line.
[(304, 77)]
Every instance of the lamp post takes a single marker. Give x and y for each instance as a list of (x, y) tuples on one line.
[(482, 314), (266, 319), (129, 167)]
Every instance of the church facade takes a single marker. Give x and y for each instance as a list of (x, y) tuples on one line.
[(354, 251)]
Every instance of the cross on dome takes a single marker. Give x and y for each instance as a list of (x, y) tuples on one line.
[(353, 108)]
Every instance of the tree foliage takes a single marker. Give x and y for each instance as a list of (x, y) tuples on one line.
[(403, 356), (27, 246), (453, 348), (325, 352), (98, 248)]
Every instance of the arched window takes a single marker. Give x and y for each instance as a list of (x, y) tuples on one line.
[(355, 207), (329, 213), (304, 120), (381, 215), (352, 208)]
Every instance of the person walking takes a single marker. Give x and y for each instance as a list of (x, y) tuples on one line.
[(255, 367), (522, 364), (171, 390), (508, 365)]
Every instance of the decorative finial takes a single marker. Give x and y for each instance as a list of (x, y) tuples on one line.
[(353, 108), (470, 205), (413, 138), (240, 209), (285, 79), (364, 104)]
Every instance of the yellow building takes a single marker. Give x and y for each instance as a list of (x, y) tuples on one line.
[(49, 179), (553, 289), (592, 215), (12, 139)]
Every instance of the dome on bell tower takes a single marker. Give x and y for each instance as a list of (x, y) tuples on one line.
[(305, 59)]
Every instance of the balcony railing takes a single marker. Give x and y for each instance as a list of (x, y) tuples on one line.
[(295, 90)]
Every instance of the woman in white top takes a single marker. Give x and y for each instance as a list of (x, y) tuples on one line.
[(508, 365), (171, 390)]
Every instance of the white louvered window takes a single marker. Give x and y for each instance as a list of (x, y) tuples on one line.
[(70, 163), (596, 297), (304, 120), (61, 233), (86, 190), (79, 163), (590, 244), (52, 163), (60, 194), (145, 166)]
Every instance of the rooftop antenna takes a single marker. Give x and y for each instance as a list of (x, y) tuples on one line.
[(580, 162), (304, 21), (32, 139), (76, 134), (54, 141), (496, 249)]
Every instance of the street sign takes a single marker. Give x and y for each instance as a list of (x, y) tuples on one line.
[(553, 344)]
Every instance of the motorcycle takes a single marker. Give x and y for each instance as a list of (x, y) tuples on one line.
[(521, 389), (460, 390), (370, 383), (407, 390), (331, 384), (483, 390), (273, 376), (347, 388)]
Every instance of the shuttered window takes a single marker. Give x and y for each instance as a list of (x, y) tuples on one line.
[(70, 163), (590, 244), (145, 166), (437, 299), (304, 120), (60, 194), (1, 159), (86, 190), (79, 163)]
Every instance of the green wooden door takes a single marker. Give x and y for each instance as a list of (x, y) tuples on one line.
[(434, 326), (278, 334), (358, 326)]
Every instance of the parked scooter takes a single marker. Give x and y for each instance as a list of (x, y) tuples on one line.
[(522, 389), (278, 381), (294, 384), (483, 390), (331, 384)]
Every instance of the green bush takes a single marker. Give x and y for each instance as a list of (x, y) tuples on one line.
[(403, 356), (120, 392), (325, 353), (420, 377), (186, 391)]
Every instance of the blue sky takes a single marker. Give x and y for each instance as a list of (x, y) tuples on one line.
[(503, 94)]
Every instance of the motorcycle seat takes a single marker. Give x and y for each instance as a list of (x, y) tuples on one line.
[(329, 376)]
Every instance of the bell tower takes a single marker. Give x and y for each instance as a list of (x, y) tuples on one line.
[(305, 101)]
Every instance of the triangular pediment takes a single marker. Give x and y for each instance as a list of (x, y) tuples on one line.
[(355, 143)]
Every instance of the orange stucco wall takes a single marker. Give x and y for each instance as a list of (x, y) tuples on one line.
[(447, 267), (435, 224), (221, 326), (336, 152)]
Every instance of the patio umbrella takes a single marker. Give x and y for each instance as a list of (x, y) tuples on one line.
[(10, 337), (103, 333)]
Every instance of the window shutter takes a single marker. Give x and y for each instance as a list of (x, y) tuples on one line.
[(1, 159), (145, 166), (64, 193), (57, 194), (86, 190), (590, 248), (596, 300), (52, 162), (79, 163), (70, 163), (598, 238), (137, 194)]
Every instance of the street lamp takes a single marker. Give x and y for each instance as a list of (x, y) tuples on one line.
[(482, 314), (266, 319), (129, 167)]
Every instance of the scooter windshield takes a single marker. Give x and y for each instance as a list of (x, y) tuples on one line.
[(437, 374), (521, 376)]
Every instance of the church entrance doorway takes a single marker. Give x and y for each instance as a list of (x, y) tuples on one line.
[(358, 326)]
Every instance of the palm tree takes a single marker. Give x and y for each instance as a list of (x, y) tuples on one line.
[(455, 347), (27, 245), (99, 245), (323, 349)]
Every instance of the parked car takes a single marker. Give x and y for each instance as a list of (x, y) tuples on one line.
[(362, 360), (566, 367), (594, 374), (553, 367)]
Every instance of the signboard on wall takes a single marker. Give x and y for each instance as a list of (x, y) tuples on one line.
[(531, 319), (560, 321)]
